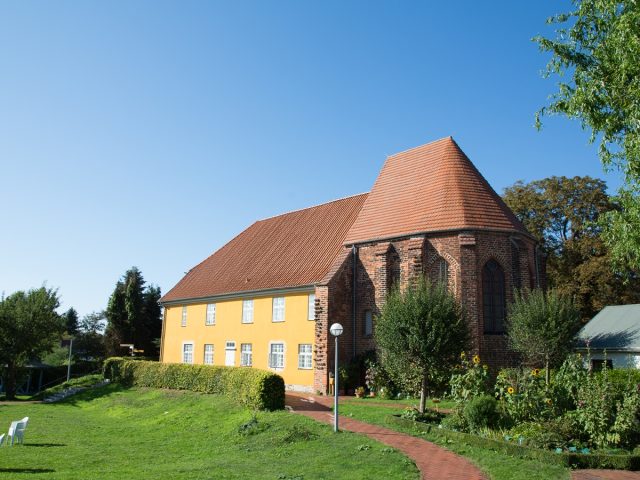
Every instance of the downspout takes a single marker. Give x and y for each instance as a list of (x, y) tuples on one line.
[(354, 252), (537, 264)]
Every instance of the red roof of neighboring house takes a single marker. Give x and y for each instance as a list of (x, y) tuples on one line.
[(290, 250), (430, 188)]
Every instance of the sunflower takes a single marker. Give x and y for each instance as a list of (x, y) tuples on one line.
[(535, 372), (462, 355), (476, 359), (511, 390), (549, 401)]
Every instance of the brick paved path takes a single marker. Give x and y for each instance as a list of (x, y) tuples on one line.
[(604, 475), (434, 463)]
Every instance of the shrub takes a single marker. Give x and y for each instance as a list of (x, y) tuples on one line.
[(524, 395), (248, 386), (482, 412), (537, 435), (470, 380)]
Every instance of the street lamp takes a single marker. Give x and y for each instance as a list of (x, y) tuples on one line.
[(336, 330)]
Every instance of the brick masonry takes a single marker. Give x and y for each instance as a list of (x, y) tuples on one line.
[(456, 256)]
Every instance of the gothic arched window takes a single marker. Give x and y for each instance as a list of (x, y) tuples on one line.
[(493, 297)]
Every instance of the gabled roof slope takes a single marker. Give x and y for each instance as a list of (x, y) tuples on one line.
[(430, 188), (290, 250), (614, 328)]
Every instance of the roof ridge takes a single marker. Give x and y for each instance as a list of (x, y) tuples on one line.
[(449, 137), (312, 206)]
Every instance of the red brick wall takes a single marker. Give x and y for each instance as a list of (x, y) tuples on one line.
[(380, 264)]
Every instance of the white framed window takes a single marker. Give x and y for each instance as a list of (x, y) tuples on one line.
[(278, 309), (246, 355), (247, 311), (305, 355), (211, 314), (208, 354), (311, 315), (368, 323), (276, 355), (184, 316), (187, 352)]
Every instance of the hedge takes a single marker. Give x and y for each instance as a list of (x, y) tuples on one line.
[(566, 459), (249, 386)]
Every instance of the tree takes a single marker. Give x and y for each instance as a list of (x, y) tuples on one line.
[(541, 327), (71, 321), (133, 315), (563, 214), (29, 325), (420, 330), (597, 47), (89, 341)]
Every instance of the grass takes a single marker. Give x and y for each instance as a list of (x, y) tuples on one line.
[(496, 465), (401, 403), (111, 433)]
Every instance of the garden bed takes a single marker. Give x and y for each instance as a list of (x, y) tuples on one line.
[(567, 459)]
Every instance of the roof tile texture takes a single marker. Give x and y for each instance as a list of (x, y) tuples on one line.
[(290, 250), (430, 188)]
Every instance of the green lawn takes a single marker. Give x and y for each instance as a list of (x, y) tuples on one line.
[(401, 403), (110, 433), (496, 465)]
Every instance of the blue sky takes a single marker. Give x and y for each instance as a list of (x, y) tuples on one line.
[(150, 133)]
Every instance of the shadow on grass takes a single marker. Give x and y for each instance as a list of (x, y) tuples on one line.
[(45, 445), (90, 394), (26, 470)]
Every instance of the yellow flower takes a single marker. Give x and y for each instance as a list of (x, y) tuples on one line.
[(485, 367), (549, 401), (535, 372), (462, 355), (476, 359), (510, 390)]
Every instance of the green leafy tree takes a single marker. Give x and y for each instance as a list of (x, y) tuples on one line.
[(29, 326), (71, 321), (563, 214), (596, 55), (541, 326), (89, 341), (421, 331), (133, 315)]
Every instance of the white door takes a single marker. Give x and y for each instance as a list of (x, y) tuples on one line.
[(230, 354)]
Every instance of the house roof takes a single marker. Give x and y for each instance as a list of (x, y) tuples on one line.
[(430, 188), (290, 250), (615, 328)]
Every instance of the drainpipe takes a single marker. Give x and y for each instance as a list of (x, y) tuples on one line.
[(537, 263), (354, 252)]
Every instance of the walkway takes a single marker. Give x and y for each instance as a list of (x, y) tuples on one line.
[(434, 463), (604, 475)]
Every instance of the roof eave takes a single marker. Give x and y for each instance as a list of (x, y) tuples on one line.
[(265, 292)]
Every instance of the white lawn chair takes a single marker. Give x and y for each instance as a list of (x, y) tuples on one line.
[(16, 430), (2, 439)]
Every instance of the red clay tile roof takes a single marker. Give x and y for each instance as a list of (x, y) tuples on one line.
[(430, 188), (290, 250)]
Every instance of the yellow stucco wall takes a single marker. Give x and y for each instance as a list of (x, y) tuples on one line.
[(296, 329)]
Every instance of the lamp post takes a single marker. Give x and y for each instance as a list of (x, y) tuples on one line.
[(336, 330)]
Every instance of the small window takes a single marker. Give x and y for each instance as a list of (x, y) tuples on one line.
[(443, 271), (211, 314), (278, 309), (187, 353), (276, 355), (184, 315), (597, 365), (208, 354), (247, 311), (368, 323), (246, 355), (305, 353), (312, 307)]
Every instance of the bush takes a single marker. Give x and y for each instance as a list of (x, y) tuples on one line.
[(469, 380), (524, 395), (248, 386), (482, 412)]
